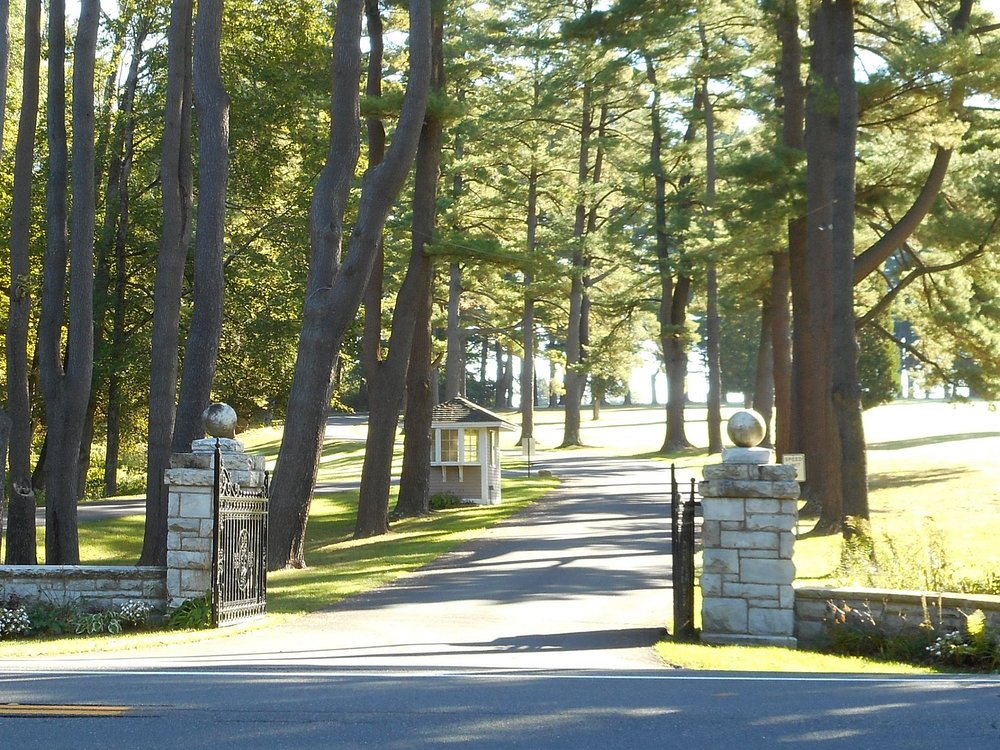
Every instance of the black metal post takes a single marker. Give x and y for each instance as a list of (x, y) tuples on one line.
[(682, 556)]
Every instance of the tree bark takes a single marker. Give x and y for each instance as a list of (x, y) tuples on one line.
[(845, 385), (335, 289), (779, 338), (387, 376), (67, 388), (454, 364), (421, 379), (576, 378), (413, 302), (713, 323), (674, 292), (823, 448), (673, 341), (212, 107), (21, 516), (788, 284), (113, 147), (176, 185), (527, 377), (763, 391), (116, 355)]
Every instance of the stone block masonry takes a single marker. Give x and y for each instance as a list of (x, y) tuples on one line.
[(97, 586), (893, 612), (749, 511), (191, 514), (190, 529)]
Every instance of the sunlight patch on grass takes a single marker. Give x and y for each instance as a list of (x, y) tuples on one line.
[(767, 659)]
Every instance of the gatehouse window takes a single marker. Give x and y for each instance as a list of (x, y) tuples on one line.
[(471, 452), (449, 446)]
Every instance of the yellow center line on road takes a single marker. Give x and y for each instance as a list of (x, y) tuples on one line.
[(50, 709)]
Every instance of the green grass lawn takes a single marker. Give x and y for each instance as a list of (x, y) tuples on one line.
[(933, 470)]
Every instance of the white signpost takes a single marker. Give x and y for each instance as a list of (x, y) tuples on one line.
[(527, 446)]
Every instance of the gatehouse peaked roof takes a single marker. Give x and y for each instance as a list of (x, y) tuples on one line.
[(461, 411)]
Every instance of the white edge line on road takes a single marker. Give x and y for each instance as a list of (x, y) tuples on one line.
[(277, 672)]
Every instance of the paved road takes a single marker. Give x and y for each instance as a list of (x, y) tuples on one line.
[(536, 635)]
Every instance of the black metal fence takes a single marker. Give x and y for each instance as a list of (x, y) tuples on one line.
[(239, 552), (682, 546)]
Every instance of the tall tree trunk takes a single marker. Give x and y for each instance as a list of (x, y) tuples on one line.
[(527, 377), (553, 396), (335, 289), (421, 380), (21, 515), (823, 449), (455, 337), (714, 356), (116, 354), (673, 341), (498, 391), (763, 389), (67, 389), (674, 292), (212, 107), (787, 266), (176, 183), (388, 377), (454, 364), (845, 385), (714, 326), (114, 147), (779, 339), (575, 379)]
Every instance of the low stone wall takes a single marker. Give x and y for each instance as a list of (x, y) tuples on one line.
[(100, 586), (190, 528), (894, 611)]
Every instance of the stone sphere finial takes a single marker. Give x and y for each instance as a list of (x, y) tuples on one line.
[(219, 421), (746, 428)]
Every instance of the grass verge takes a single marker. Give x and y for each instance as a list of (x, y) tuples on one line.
[(767, 659)]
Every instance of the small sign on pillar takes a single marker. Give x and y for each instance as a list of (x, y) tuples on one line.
[(798, 462)]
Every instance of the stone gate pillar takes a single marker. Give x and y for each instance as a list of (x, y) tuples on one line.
[(750, 512), (190, 482)]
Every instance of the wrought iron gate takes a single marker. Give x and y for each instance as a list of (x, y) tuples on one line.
[(239, 552), (682, 538)]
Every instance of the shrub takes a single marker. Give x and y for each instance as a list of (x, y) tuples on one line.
[(446, 500), (978, 647), (856, 631), (95, 623), (52, 619), (193, 614), (13, 622), (42, 618), (134, 613)]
